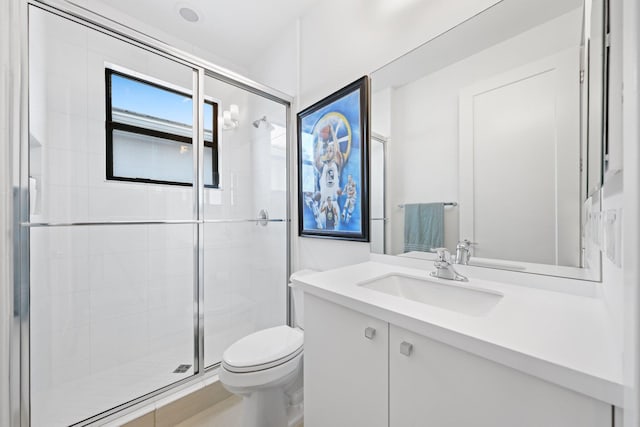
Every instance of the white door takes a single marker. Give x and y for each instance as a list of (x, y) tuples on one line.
[(520, 163)]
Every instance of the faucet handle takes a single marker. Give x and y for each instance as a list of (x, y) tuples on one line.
[(466, 244), (443, 254)]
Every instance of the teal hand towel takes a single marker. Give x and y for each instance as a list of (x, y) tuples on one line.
[(423, 226)]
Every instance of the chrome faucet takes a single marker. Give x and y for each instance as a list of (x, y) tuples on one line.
[(444, 268), (463, 252)]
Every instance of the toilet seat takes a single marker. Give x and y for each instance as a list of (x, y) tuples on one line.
[(266, 369), (263, 350), (267, 358)]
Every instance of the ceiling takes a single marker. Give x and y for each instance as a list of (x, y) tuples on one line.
[(236, 31)]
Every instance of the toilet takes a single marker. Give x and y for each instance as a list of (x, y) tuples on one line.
[(265, 368)]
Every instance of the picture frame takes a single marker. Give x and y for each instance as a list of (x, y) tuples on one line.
[(333, 165)]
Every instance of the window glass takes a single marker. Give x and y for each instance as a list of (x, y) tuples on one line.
[(150, 130), (149, 100)]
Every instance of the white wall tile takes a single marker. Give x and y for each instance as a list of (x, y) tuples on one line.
[(95, 142), (64, 131), (113, 305), (171, 263), (64, 203), (66, 88), (173, 290), (119, 201), (117, 341), (68, 62), (66, 168), (176, 236), (70, 354), (62, 312), (43, 26), (118, 239), (114, 300), (66, 276), (172, 328), (171, 202), (72, 371)]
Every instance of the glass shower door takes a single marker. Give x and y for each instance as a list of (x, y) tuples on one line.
[(245, 258), (112, 262), (138, 280)]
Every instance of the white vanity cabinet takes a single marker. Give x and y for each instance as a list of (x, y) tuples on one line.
[(345, 371), (398, 378), (439, 385)]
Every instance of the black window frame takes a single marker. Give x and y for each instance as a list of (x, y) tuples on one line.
[(111, 126)]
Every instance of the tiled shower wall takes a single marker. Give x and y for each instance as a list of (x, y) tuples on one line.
[(112, 306)]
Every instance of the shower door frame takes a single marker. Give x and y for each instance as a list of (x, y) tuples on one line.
[(19, 357), (385, 219)]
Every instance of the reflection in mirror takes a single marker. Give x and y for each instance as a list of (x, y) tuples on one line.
[(492, 133)]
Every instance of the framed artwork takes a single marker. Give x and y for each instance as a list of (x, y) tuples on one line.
[(333, 175)]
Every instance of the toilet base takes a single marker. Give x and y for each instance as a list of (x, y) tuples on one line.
[(295, 414), (270, 408)]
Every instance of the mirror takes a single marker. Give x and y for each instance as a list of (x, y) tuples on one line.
[(492, 133)]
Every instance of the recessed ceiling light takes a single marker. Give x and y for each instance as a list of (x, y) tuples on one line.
[(189, 14)]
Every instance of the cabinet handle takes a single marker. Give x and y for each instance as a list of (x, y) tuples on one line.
[(369, 333), (406, 348)]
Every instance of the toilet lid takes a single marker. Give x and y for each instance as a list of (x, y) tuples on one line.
[(263, 349)]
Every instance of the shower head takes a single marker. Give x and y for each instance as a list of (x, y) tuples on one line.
[(256, 123)]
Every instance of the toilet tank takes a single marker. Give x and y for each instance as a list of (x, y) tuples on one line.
[(298, 298)]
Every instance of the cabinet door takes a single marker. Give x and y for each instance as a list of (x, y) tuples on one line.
[(439, 386), (345, 373)]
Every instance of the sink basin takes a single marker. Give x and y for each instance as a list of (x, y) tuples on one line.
[(455, 297)]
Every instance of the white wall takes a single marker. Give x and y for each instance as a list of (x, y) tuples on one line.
[(277, 65)]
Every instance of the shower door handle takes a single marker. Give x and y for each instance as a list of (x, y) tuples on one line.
[(263, 218)]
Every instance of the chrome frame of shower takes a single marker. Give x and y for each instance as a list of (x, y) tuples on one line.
[(20, 352), (385, 218)]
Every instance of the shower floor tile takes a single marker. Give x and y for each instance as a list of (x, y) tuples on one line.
[(80, 399)]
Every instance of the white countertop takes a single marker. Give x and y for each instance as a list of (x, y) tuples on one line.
[(563, 338)]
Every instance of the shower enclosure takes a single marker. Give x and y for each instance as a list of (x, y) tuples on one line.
[(157, 225)]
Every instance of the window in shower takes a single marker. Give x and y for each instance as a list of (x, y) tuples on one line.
[(150, 132)]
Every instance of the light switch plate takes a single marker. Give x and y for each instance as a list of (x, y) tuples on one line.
[(612, 226)]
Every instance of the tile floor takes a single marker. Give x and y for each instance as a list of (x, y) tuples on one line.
[(227, 413)]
